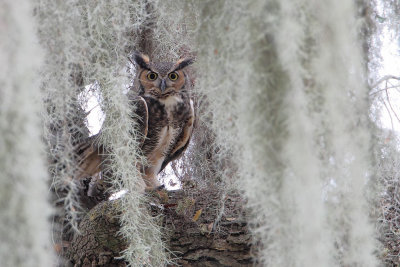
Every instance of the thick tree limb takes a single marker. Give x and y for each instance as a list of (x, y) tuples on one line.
[(188, 222)]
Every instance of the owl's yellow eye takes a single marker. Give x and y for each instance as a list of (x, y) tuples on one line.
[(152, 76), (173, 76)]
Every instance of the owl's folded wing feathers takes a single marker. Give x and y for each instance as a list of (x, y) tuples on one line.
[(183, 141), (91, 154), (89, 157), (141, 117)]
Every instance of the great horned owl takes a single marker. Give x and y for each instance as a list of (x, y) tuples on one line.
[(165, 114), (165, 89)]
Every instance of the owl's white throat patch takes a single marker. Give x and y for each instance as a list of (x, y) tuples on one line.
[(171, 101)]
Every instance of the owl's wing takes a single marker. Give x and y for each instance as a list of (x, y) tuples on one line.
[(183, 140), (91, 154), (141, 116)]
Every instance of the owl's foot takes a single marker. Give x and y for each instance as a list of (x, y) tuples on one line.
[(150, 189), (158, 192)]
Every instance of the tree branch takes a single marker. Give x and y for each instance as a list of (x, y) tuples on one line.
[(191, 238)]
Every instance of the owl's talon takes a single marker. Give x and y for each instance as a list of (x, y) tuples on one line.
[(150, 189), (158, 192), (162, 195), (161, 187)]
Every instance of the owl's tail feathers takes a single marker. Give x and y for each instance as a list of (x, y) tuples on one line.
[(90, 157)]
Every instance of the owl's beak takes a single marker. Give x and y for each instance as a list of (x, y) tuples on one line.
[(163, 85)]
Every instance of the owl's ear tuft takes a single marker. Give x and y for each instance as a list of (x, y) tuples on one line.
[(141, 60), (183, 63)]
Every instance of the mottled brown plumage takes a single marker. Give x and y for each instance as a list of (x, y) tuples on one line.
[(165, 87), (164, 113)]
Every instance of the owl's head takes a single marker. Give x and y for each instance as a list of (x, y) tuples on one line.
[(161, 79)]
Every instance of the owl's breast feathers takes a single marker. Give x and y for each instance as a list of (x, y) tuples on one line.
[(163, 130), (170, 127)]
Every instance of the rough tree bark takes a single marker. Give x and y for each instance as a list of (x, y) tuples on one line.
[(191, 232)]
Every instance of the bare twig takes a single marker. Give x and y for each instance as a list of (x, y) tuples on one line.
[(390, 115), (384, 89), (390, 105), (385, 78)]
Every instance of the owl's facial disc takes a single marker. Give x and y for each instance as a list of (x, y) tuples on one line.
[(161, 79)]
